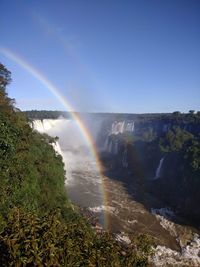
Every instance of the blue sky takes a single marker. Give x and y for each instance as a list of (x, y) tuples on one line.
[(110, 56)]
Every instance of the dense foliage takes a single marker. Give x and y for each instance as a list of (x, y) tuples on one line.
[(31, 241), (38, 226), (32, 174)]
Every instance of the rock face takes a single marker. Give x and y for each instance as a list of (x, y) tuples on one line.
[(133, 146), (179, 188)]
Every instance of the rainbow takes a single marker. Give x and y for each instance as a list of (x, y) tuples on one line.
[(38, 75)]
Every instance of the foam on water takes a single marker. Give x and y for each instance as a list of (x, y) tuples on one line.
[(190, 252), (189, 255), (163, 215), (102, 208)]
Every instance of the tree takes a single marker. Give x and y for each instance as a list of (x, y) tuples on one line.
[(174, 139), (5, 77), (193, 155)]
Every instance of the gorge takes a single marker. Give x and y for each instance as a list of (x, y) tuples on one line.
[(143, 160)]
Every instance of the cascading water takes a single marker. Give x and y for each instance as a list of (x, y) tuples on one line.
[(119, 127), (43, 126), (57, 148), (130, 126), (159, 169)]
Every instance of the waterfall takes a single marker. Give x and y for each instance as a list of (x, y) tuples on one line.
[(130, 126), (159, 168), (43, 126), (117, 127), (121, 127), (57, 148)]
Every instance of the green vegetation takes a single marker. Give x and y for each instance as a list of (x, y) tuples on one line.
[(174, 139), (193, 155), (38, 225), (185, 144), (32, 174), (31, 241)]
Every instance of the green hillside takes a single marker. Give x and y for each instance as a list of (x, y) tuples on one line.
[(38, 225)]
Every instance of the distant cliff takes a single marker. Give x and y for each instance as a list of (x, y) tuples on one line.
[(163, 152), (160, 150)]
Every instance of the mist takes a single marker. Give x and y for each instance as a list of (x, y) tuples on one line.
[(75, 150)]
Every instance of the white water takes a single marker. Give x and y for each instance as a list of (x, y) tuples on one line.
[(121, 127), (159, 168), (123, 238), (117, 127), (190, 252), (102, 208), (43, 126), (57, 148), (189, 255), (164, 215)]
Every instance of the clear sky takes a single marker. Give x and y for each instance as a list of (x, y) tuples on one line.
[(104, 55)]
